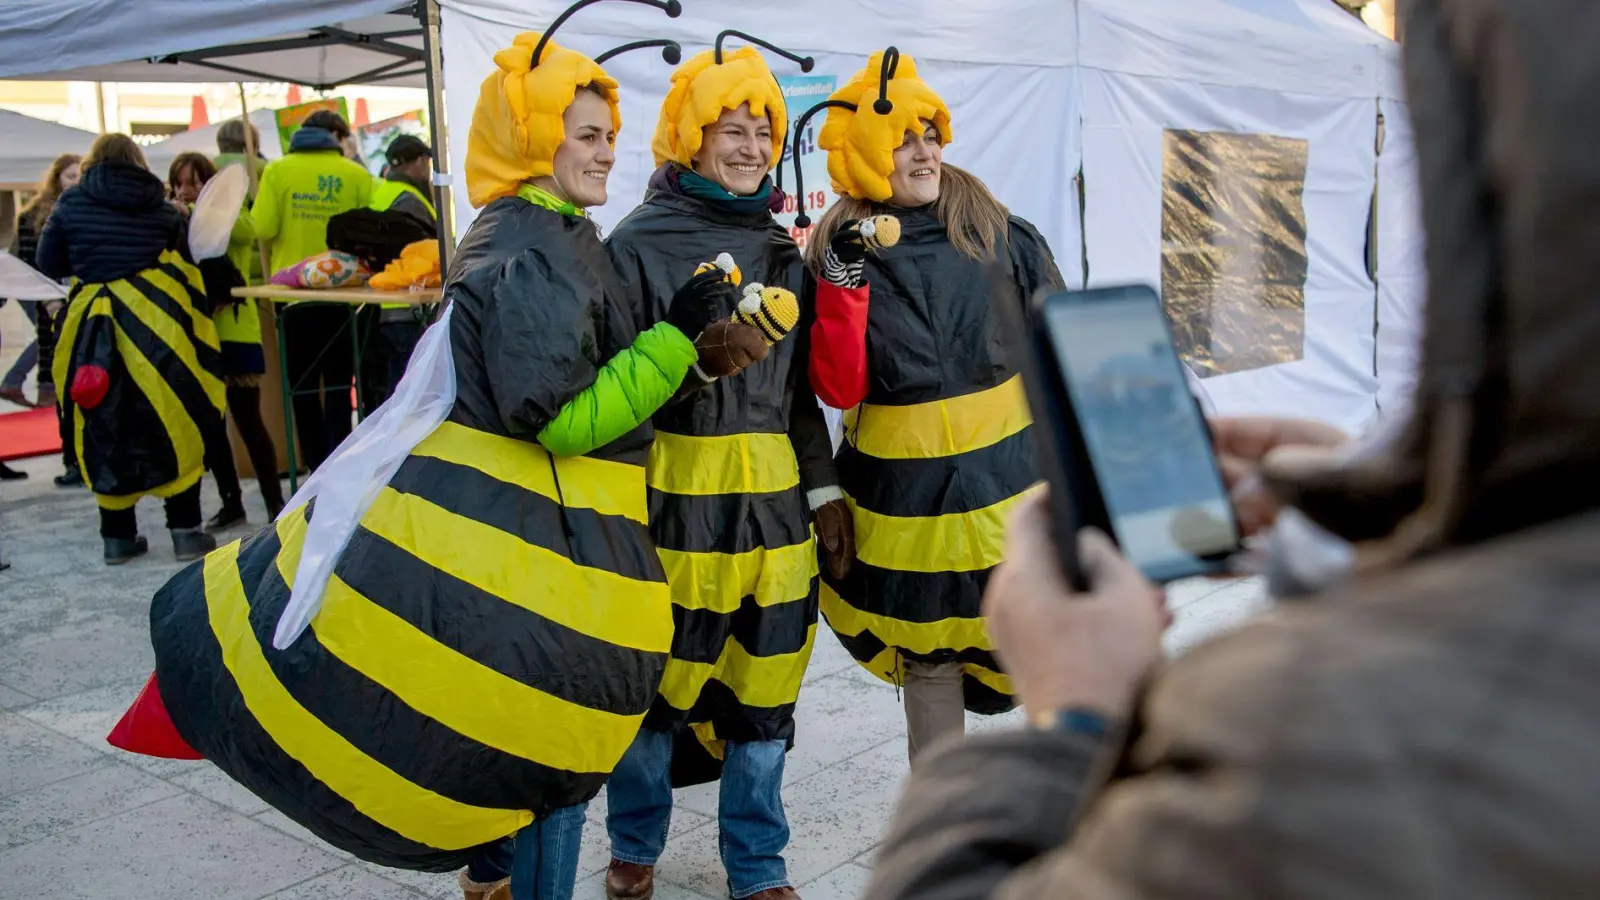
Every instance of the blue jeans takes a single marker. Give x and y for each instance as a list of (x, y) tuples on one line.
[(750, 816), (29, 357), (542, 859)]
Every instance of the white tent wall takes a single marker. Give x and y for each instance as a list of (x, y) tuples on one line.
[(957, 47), (1402, 269), (1149, 69)]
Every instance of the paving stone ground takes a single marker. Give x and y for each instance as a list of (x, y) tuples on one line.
[(79, 818)]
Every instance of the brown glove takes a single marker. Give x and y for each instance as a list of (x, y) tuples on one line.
[(836, 537), (727, 347)]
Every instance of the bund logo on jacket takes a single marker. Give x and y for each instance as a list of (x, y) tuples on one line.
[(330, 186)]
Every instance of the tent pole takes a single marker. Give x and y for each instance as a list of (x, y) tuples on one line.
[(100, 104), (428, 11)]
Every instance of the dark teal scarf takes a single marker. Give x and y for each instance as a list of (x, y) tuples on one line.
[(692, 184)]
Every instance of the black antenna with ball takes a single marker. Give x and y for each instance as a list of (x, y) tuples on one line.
[(671, 51), (672, 8), (806, 63)]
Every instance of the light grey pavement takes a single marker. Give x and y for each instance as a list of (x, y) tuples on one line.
[(81, 819)]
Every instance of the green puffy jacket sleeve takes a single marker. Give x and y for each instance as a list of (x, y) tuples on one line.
[(627, 390)]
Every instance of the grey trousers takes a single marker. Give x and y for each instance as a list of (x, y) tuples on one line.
[(934, 704)]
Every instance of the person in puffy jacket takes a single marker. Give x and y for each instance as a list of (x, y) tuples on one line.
[(137, 363), (495, 629), (737, 468), (913, 341)]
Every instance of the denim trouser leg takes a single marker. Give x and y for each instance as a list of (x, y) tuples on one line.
[(754, 830), (639, 799), (542, 859)]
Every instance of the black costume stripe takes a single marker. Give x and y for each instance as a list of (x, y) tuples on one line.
[(172, 370), (699, 634), (913, 596), (491, 631), (976, 696), (210, 714), (699, 523), (210, 360), (982, 699), (594, 540), (931, 487), (734, 721), (381, 725), (124, 411)]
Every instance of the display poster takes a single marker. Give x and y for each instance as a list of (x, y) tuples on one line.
[(290, 117), (800, 93), (376, 138)]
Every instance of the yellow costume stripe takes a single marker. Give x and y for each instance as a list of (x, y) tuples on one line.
[(730, 464), (432, 679), (762, 681), (169, 332), (719, 582), (182, 432), (600, 604), (375, 790), (205, 329), (888, 666), (916, 637), (610, 488), (955, 542), (939, 428)]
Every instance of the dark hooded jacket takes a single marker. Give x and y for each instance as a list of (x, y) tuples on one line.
[(1428, 728), (114, 223)]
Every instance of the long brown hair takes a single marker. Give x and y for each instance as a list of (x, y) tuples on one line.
[(203, 168), (49, 191), (976, 222), (114, 148)]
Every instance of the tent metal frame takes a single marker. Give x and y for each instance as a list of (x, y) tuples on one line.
[(383, 43)]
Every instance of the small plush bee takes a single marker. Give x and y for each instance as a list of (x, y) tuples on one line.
[(879, 232), (771, 310), (724, 261)]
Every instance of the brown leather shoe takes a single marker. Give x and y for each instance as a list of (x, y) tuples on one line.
[(783, 893), (630, 881), (472, 890)]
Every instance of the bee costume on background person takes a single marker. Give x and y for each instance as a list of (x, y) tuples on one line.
[(730, 473), (139, 365), (912, 341), (457, 639)]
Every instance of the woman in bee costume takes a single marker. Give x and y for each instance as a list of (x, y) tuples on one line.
[(912, 341), (457, 640), (737, 467)]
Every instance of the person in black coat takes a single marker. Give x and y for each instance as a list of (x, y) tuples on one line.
[(139, 362)]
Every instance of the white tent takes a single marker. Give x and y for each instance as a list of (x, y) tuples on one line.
[(204, 141), (319, 43), (28, 146), (1045, 90)]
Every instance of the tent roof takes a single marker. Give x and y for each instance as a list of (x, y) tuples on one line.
[(204, 141), (317, 43), (28, 146)]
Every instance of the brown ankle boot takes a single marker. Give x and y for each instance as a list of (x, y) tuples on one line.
[(630, 881), (472, 890)]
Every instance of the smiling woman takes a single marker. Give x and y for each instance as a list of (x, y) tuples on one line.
[(584, 158)]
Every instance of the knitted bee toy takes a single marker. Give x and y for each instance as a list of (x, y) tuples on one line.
[(771, 310)]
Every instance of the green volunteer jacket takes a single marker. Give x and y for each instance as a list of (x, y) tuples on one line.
[(299, 194)]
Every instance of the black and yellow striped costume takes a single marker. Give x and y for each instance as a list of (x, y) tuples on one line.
[(727, 496), (936, 456), (152, 332), (494, 633)]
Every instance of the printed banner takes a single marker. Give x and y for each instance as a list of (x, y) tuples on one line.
[(800, 93), (290, 117), (376, 138)]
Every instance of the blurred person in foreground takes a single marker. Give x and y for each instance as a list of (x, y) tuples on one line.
[(1426, 727)]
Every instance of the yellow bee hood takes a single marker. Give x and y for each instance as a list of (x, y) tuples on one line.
[(861, 142), (517, 125), (702, 88)]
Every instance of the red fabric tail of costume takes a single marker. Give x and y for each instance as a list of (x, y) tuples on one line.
[(147, 729)]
